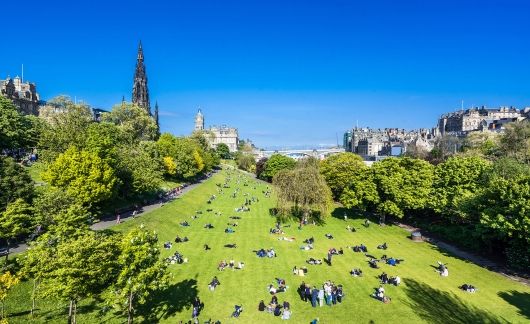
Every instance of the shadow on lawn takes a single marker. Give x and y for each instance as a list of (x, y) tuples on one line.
[(166, 303), (519, 300), (436, 306)]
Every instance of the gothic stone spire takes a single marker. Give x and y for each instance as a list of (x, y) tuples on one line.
[(156, 119), (140, 94)]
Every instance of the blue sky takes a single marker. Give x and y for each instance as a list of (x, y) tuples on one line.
[(283, 72)]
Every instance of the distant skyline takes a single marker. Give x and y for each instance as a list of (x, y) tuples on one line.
[(284, 73)]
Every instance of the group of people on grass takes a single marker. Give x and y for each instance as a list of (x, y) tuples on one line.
[(269, 253), (329, 293), (230, 265)]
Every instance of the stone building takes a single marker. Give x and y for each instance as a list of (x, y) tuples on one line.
[(218, 134), (23, 94), (373, 143), (477, 119)]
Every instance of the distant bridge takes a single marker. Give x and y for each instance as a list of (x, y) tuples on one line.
[(299, 154)]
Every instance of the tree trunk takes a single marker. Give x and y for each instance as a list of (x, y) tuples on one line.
[(33, 296), (383, 219), (70, 309), (75, 312), (130, 310), (8, 248)]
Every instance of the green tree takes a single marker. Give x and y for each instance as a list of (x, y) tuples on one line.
[(139, 169), (260, 166), (456, 182), (82, 174), (515, 142), (134, 121), (104, 140), (223, 151), (403, 184), (275, 164), (61, 213), (7, 281), (81, 268), (35, 264), (15, 182), (64, 128), (503, 208), (17, 220), (246, 162), (361, 192), (339, 170), (303, 192), (16, 130), (186, 155), (140, 271)]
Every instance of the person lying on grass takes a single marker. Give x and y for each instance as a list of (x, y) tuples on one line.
[(314, 261), (288, 239), (181, 240), (307, 247)]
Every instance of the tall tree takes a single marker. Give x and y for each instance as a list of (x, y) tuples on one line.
[(515, 142), (303, 192), (81, 268), (139, 169), (134, 121), (7, 281), (275, 164), (66, 125), (223, 151), (17, 220), (140, 271), (340, 169), (15, 182), (246, 162), (457, 181), (403, 184), (84, 175), (16, 130)]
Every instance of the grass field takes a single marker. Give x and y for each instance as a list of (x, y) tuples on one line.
[(423, 296)]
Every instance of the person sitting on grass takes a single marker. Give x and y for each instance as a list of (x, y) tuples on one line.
[(382, 246), (356, 272), (350, 228), (208, 226), (237, 311), (286, 313), (329, 236), (222, 265), (272, 289), (442, 269), (307, 247), (167, 245), (214, 283), (206, 247), (181, 240), (271, 253), (261, 253), (277, 310), (383, 278), (468, 288), (184, 223), (261, 306), (395, 280), (229, 230), (240, 265), (310, 240)]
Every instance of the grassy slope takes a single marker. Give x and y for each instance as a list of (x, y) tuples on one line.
[(424, 296)]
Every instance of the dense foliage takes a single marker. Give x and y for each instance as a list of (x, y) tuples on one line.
[(275, 164)]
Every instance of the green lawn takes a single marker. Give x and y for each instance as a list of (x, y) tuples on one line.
[(423, 296)]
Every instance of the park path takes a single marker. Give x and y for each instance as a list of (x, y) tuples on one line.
[(476, 259), (109, 220)]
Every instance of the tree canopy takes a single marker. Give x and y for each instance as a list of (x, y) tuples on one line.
[(275, 164), (340, 170)]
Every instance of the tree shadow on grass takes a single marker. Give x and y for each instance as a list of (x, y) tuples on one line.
[(165, 303), (518, 299), (439, 307)]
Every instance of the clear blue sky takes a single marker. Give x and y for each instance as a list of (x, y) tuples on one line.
[(283, 72)]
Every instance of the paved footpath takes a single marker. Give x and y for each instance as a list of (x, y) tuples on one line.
[(107, 222)]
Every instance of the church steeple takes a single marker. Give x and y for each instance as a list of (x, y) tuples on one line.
[(199, 121), (140, 93), (156, 120)]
